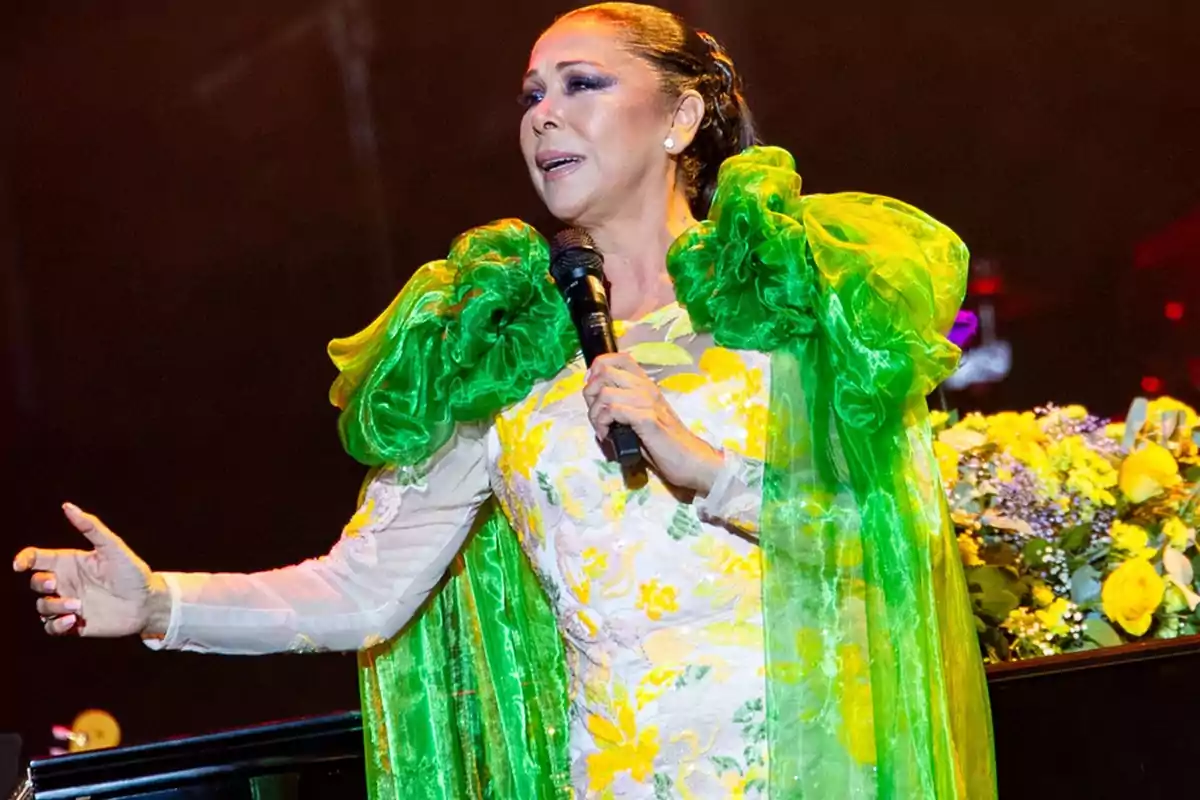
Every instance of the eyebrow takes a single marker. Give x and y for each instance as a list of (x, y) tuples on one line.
[(560, 66)]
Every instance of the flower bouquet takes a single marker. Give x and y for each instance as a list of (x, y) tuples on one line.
[(1075, 533)]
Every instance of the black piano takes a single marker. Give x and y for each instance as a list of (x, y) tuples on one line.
[(1117, 723), (309, 758)]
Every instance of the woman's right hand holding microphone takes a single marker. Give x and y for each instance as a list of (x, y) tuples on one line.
[(107, 591)]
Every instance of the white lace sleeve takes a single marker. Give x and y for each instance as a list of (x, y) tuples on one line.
[(736, 495), (392, 554)]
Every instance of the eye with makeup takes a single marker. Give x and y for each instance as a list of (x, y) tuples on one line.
[(530, 97), (574, 83)]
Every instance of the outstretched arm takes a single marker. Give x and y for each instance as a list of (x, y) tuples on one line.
[(392, 554)]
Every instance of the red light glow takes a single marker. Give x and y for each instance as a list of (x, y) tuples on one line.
[(1174, 311), (1151, 385), (986, 287)]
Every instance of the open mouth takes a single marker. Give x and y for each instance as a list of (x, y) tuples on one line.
[(558, 164)]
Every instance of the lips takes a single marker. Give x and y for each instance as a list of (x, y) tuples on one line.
[(553, 163)]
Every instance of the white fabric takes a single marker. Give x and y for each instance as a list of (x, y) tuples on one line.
[(657, 593)]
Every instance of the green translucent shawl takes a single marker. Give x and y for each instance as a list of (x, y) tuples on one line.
[(874, 684)]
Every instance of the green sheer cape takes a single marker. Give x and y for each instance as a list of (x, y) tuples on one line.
[(874, 683)]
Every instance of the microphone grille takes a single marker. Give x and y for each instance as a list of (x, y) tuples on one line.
[(571, 249), (571, 239)]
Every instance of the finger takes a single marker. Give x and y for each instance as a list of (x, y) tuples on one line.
[(44, 582), (90, 526), (60, 625), (609, 395), (615, 373), (33, 558), (601, 418), (622, 361), (58, 606)]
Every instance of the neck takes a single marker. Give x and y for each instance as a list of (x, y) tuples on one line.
[(635, 245)]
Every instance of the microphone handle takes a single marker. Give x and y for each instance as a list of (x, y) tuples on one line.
[(596, 338), (625, 444)]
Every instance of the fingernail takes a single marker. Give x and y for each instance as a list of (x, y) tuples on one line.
[(70, 507), (50, 585), (65, 623), (72, 605), (17, 565)]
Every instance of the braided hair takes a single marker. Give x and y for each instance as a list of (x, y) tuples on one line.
[(689, 59)]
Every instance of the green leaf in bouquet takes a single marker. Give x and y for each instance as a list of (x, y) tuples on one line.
[(1192, 474), (1135, 419), (1075, 538), (1179, 571), (1185, 510), (996, 591), (1034, 552), (1099, 631), (1085, 585), (1172, 422)]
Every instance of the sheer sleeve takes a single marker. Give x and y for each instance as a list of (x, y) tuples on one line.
[(736, 495), (389, 558)]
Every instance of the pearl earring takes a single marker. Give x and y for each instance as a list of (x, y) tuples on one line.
[(669, 143)]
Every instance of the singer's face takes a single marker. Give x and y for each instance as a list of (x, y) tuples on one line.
[(594, 124)]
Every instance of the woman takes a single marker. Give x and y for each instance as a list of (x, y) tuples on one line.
[(774, 362)]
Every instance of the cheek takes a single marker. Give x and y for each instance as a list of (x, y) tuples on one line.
[(617, 131), (527, 139)]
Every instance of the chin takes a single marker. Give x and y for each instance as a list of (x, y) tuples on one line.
[(566, 204)]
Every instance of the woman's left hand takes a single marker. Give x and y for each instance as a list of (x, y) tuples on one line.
[(619, 391)]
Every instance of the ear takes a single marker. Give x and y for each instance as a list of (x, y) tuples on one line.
[(689, 113)]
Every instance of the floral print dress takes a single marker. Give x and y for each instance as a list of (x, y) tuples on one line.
[(657, 592)]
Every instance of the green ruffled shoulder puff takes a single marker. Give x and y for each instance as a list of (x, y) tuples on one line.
[(875, 688)]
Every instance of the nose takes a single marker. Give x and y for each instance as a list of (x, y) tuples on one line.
[(545, 117)]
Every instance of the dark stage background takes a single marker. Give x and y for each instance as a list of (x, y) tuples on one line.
[(196, 196)]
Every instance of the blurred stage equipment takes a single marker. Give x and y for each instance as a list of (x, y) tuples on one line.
[(990, 360), (92, 730), (1163, 308)]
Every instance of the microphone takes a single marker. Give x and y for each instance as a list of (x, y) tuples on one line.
[(577, 267)]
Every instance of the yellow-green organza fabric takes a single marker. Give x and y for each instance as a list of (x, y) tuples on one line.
[(875, 688)]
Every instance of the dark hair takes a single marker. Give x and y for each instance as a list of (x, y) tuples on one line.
[(689, 59)]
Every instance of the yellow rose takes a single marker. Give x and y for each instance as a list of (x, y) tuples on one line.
[(1169, 405), (1131, 594), (1178, 534), (1147, 472), (1131, 539)]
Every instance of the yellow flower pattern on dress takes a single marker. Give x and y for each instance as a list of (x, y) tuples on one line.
[(660, 607), (656, 599), (361, 517), (623, 748), (520, 444)]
